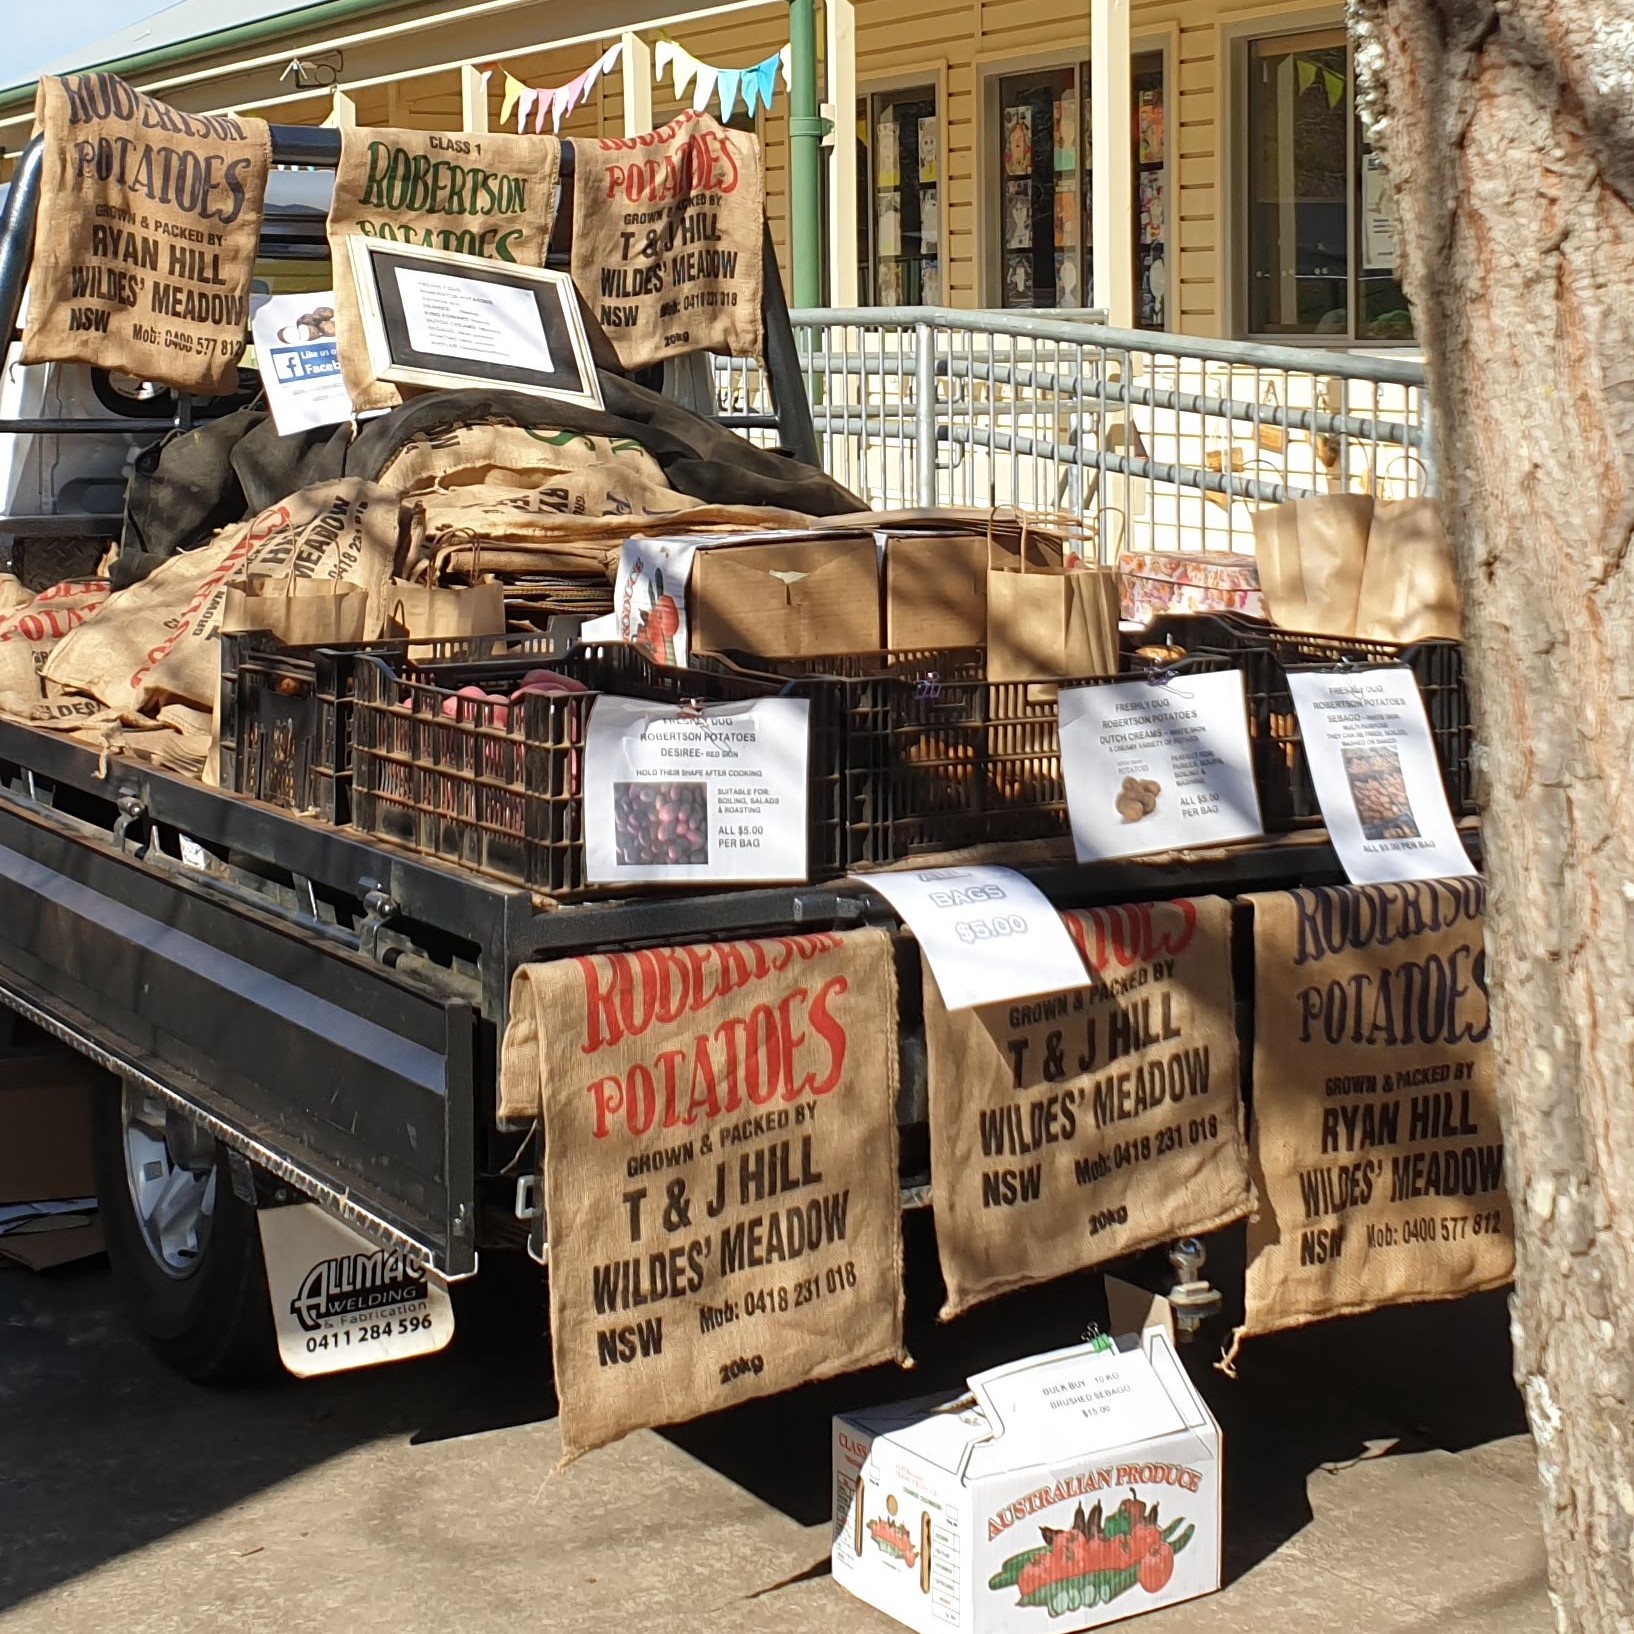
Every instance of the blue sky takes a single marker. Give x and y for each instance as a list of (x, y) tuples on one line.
[(38, 31)]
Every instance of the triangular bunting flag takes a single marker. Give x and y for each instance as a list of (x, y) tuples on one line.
[(768, 78), (663, 55), (705, 88), (750, 86), (525, 99), (786, 57), (686, 70), (727, 81), (1304, 73), (513, 92)]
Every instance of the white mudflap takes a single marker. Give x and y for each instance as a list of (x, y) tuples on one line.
[(340, 1301)]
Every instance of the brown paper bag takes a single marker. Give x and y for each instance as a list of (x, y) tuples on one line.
[(1376, 1143), (149, 224), (720, 1170), (153, 643), (1311, 555), (432, 612), (1409, 590), (668, 239), (1045, 623), (490, 196), (1078, 1127), (299, 612)]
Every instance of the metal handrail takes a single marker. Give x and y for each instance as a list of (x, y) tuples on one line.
[(1070, 332)]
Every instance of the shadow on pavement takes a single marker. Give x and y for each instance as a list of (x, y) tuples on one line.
[(102, 1451)]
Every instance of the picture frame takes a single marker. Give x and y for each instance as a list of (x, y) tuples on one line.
[(435, 318)]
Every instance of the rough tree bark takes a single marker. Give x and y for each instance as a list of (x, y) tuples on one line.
[(1508, 130)]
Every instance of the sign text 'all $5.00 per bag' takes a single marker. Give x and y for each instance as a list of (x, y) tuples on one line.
[(721, 1185), (1075, 1127), (149, 223), (1376, 1142)]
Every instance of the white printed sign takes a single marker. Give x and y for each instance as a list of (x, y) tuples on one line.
[(477, 320), (1158, 766), (989, 934), (341, 1301), (675, 794), (1378, 782), (296, 353)]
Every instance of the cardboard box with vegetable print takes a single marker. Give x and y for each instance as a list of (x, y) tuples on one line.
[(1065, 1491)]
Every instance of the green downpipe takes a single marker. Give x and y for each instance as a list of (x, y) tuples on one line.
[(806, 132)]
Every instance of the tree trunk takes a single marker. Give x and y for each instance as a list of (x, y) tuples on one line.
[(1508, 132)]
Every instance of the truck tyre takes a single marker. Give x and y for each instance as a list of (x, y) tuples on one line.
[(185, 1248)]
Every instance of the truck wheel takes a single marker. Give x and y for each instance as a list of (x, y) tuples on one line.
[(184, 1247)]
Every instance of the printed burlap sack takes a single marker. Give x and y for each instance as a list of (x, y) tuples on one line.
[(567, 473), (1077, 1127), (154, 643), (484, 195), (720, 1171), (1375, 1143), (493, 535), (32, 628), (668, 239), (149, 223)]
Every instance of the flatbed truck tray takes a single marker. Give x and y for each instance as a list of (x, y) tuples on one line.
[(330, 1006)]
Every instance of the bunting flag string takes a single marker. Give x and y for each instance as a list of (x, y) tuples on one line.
[(554, 101), (755, 86)]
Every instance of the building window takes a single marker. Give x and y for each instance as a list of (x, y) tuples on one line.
[(1043, 189), (899, 229), (1321, 240), (1151, 191)]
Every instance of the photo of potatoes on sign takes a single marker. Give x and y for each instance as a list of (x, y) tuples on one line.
[(1380, 792), (1137, 798), (661, 824)]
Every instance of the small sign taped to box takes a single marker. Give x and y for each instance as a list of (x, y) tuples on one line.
[(1067, 1490)]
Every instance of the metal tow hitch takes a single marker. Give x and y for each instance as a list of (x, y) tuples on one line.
[(1192, 1298)]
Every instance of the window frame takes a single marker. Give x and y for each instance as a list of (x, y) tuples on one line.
[(1237, 40), (909, 78)]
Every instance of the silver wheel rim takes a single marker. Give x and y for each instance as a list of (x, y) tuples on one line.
[(171, 1171)]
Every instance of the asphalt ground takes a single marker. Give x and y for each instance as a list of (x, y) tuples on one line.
[(1378, 1479)]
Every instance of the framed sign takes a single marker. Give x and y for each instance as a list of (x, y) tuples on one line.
[(432, 318)]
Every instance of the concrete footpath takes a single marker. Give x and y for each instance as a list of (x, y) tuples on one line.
[(1378, 1481)]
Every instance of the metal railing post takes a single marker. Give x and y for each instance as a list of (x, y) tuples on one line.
[(1426, 448), (924, 415)]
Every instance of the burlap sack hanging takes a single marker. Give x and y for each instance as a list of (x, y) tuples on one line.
[(484, 195), (721, 1184), (1376, 1148), (668, 240), (150, 220)]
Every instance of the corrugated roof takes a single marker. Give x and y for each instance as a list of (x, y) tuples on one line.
[(175, 25)]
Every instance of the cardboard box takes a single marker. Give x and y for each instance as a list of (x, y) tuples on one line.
[(935, 590), (1005, 1512), (789, 598), (45, 1128)]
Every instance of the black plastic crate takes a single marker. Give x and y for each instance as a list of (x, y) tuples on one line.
[(286, 714), (494, 786), (1266, 654), (933, 756)]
